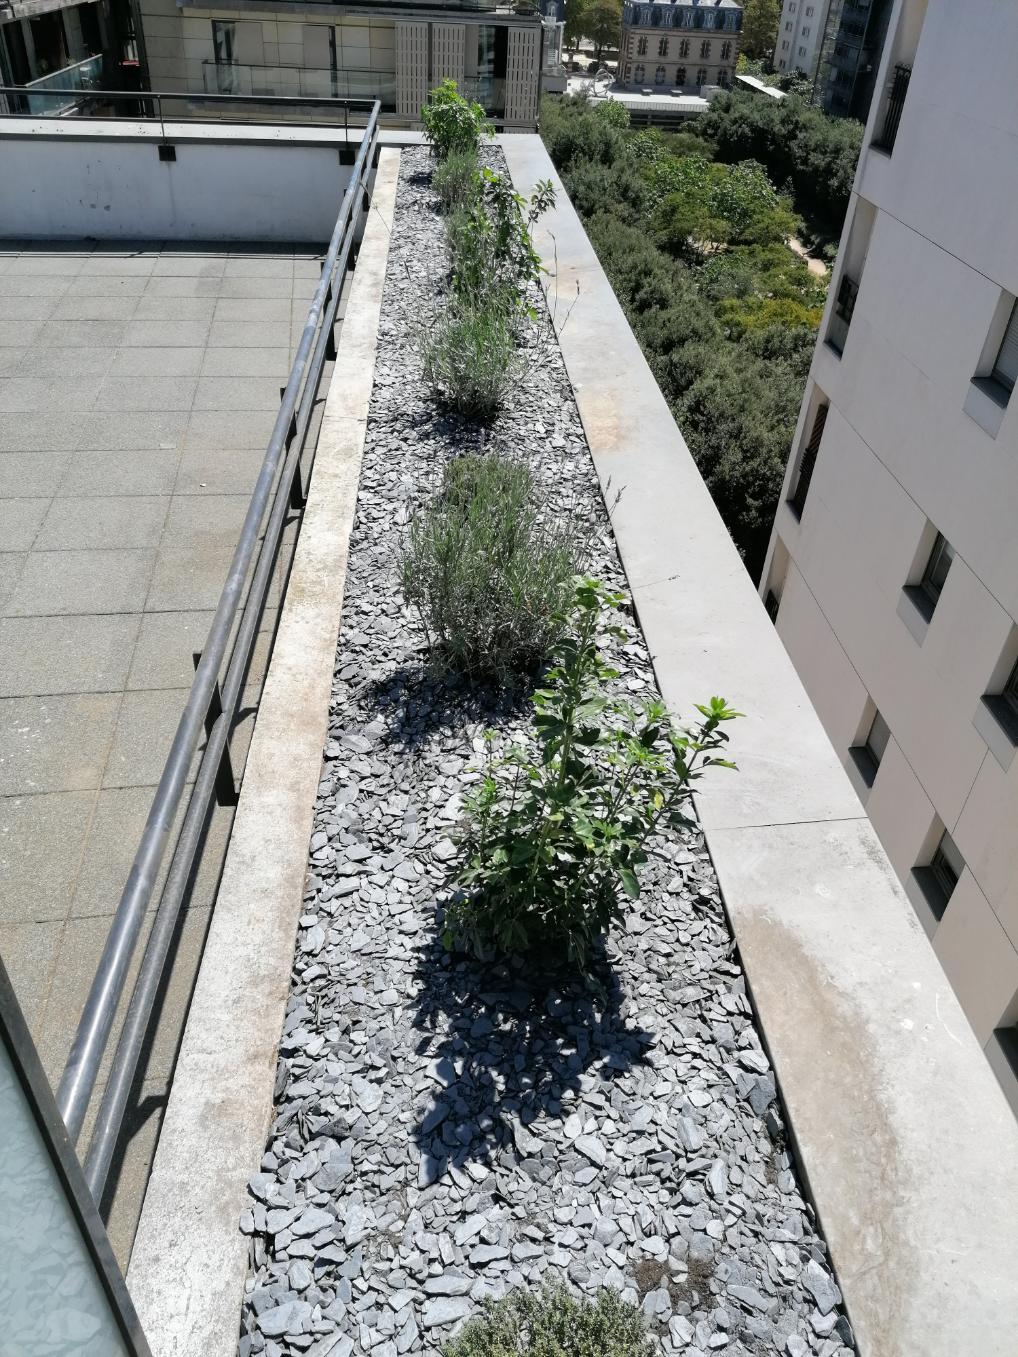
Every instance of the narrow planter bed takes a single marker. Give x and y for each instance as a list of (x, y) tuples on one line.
[(447, 1130)]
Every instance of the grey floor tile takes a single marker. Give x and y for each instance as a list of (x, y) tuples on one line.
[(92, 285), (22, 333), (26, 308), (274, 363), (254, 310), (62, 362), (175, 308), (29, 954), (20, 520), (25, 395), (121, 520), (122, 473), (166, 333), (77, 333), (110, 848), (55, 744), (203, 523), (223, 473), (119, 265), (11, 565), (41, 843), (90, 582), (146, 393), (237, 393), (31, 475), (50, 655), (164, 362), (40, 432), (184, 285), (35, 285), (132, 1164), (10, 360), (185, 265), (160, 430), (258, 266), (213, 430), (188, 580), (78, 306), (235, 334), (55, 265), (164, 650), (256, 287), (146, 724)]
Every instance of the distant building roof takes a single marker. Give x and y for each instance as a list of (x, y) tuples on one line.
[(761, 87)]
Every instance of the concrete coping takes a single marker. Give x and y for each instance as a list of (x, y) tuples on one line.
[(906, 1141)]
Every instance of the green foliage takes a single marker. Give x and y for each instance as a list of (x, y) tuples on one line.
[(553, 1323), (613, 113), (469, 356), (557, 836), (493, 256), (795, 143), (452, 123), (573, 29), (457, 180), (572, 133), (487, 574), (760, 19), (602, 23)]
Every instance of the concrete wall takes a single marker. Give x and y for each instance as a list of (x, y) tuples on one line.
[(911, 448), (68, 186)]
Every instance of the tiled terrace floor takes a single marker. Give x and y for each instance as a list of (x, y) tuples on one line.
[(138, 389)]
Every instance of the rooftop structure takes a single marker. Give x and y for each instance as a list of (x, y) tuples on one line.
[(891, 565)]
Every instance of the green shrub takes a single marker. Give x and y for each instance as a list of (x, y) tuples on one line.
[(556, 837), (457, 180), (490, 245), (553, 1323), (452, 123), (487, 574), (470, 357)]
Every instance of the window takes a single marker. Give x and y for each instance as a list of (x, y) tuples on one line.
[(223, 33), (638, 75), (805, 30), (844, 309), (867, 756), (655, 17), (892, 111), (659, 76), (809, 460), (641, 47), (680, 75), (1005, 366), (1009, 692), (784, 45), (802, 51), (947, 866), (809, 11), (684, 48), (726, 51), (772, 603), (701, 76), (662, 47), (705, 50), (932, 582)]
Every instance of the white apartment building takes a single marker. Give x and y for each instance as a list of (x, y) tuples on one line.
[(800, 36), (893, 569)]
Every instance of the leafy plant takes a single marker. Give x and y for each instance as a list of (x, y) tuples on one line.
[(487, 573), (490, 243), (457, 180), (452, 123), (557, 837), (469, 356), (554, 1323)]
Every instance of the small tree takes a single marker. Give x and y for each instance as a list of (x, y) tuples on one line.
[(602, 24), (452, 124), (574, 31), (760, 19)]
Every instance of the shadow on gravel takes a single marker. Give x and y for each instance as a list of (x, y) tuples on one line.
[(417, 701), (509, 1048)]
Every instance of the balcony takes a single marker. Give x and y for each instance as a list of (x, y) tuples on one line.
[(893, 106), (841, 315), (298, 81), (43, 95), (732, 1121)]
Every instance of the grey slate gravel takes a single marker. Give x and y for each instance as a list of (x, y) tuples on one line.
[(446, 1130)]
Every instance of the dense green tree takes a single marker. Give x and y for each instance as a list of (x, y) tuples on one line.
[(602, 24), (760, 19), (573, 29)]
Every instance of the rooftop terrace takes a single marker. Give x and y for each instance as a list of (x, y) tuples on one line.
[(770, 1129)]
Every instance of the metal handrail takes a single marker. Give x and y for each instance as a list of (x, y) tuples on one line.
[(211, 707), (155, 99)]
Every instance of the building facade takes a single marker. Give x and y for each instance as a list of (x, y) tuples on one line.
[(681, 47), (52, 46), (496, 54), (849, 56), (800, 36), (893, 568)]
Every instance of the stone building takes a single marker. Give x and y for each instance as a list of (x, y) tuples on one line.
[(679, 46)]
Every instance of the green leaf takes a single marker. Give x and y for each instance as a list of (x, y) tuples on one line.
[(629, 882)]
